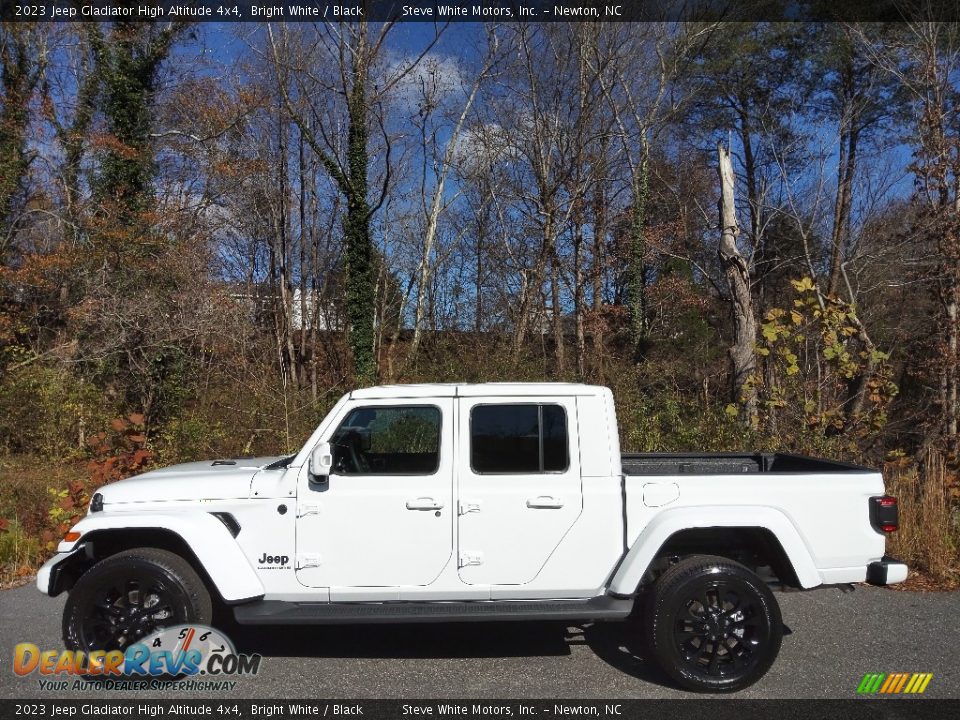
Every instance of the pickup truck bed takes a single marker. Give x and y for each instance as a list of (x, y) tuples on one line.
[(730, 463)]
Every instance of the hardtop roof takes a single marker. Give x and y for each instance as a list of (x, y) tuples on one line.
[(493, 389)]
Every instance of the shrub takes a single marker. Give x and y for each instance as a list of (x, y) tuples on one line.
[(48, 412), (119, 452), (20, 551), (927, 539)]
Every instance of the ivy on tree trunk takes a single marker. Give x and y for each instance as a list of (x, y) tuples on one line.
[(356, 232), (638, 264), (128, 67)]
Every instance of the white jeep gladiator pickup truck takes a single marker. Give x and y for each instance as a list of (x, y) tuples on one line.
[(451, 503)]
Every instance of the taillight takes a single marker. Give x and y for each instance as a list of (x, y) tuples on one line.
[(883, 514)]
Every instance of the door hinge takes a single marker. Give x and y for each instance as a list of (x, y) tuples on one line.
[(308, 560), (467, 559), (305, 510), (469, 507)]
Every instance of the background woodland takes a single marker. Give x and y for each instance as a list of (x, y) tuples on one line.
[(209, 233)]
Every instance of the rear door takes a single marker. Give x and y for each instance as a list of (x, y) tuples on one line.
[(519, 486)]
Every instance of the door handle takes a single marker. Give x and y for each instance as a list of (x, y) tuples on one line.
[(545, 501), (424, 503)]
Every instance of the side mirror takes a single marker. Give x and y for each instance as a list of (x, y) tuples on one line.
[(321, 462)]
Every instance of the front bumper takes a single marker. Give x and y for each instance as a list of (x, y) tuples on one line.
[(886, 571)]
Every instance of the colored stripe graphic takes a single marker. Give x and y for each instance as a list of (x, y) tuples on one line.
[(890, 682), (894, 683), (870, 683)]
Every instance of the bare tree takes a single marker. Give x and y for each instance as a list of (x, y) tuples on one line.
[(637, 76), (540, 130), (439, 145), (23, 60), (743, 356), (925, 60), (340, 137)]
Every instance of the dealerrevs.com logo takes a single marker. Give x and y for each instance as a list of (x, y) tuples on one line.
[(894, 683), (175, 655)]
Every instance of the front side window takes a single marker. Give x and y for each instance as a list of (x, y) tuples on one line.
[(388, 441), (518, 439)]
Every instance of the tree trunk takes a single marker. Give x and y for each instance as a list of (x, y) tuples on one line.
[(599, 245), (743, 357), (284, 255), (857, 387), (599, 227), (356, 230), (302, 358), (578, 281), (638, 254), (478, 281), (532, 285), (841, 216), (950, 364), (437, 205), (556, 313)]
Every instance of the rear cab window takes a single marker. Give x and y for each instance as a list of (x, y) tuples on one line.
[(518, 439)]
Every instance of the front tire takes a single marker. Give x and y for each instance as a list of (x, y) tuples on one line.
[(131, 594), (712, 625)]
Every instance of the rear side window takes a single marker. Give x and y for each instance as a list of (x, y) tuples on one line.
[(518, 439), (388, 441)]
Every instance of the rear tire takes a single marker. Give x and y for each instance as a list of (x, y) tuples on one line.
[(131, 594), (712, 625)]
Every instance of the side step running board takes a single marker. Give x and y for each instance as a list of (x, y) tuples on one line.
[(277, 612)]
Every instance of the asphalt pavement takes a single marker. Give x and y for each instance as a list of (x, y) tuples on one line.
[(834, 638)]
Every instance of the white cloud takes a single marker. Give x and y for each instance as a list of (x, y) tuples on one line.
[(436, 78)]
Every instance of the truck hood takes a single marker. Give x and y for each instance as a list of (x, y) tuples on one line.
[(208, 480)]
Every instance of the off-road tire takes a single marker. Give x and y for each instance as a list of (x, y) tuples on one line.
[(112, 590), (712, 625)]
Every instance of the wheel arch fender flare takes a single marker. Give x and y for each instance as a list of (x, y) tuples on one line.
[(662, 527), (207, 538)]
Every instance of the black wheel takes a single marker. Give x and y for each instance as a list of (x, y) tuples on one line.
[(712, 625), (130, 595)]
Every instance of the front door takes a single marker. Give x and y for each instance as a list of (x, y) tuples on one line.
[(384, 517), (519, 486)]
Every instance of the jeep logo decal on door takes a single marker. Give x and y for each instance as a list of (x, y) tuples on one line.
[(280, 560)]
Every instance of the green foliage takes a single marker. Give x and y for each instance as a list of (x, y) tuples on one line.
[(168, 384), (67, 507), (818, 361), (20, 551), (48, 411), (672, 423), (751, 78), (656, 414), (128, 66), (414, 430), (20, 71), (188, 437)]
